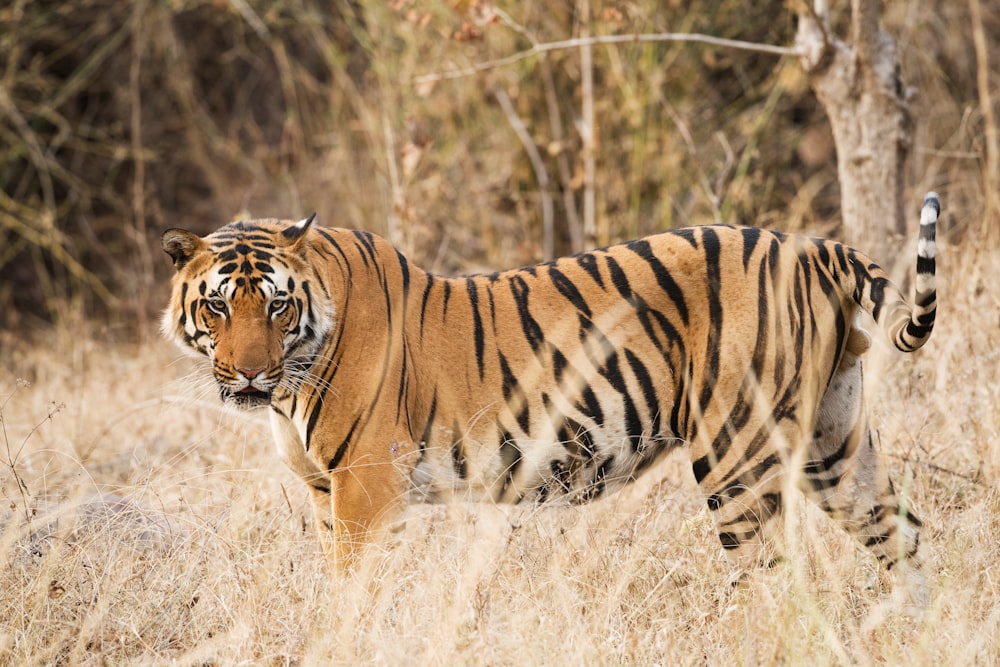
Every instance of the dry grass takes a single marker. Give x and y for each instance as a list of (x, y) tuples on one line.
[(155, 528)]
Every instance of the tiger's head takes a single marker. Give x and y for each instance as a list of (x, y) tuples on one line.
[(246, 298)]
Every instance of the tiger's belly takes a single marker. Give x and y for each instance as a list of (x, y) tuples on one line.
[(573, 470)]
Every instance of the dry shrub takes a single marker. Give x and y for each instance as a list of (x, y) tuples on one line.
[(119, 119)]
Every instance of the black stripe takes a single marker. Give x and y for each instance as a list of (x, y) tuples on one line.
[(509, 384), (842, 260), (760, 356), (368, 243), (618, 277), (751, 237), (648, 390), (458, 461), (559, 363), (510, 458), (342, 449), (447, 297), (477, 325), (633, 424), (568, 289), (680, 399), (914, 330), (926, 299), (730, 541), (926, 265), (588, 262), (423, 302), (493, 310), (425, 438), (404, 267), (403, 382), (710, 242), (314, 416), (688, 234), (183, 317), (513, 394), (532, 331), (663, 277), (591, 406), (524, 417)]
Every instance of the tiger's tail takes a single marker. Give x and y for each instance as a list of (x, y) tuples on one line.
[(907, 327)]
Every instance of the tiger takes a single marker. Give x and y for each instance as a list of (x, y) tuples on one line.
[(561, 382)]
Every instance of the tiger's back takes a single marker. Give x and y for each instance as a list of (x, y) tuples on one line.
[(570, 378)]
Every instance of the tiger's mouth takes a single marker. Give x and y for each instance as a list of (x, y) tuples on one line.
[(248, 398)]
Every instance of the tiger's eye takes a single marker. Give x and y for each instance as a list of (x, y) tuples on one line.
[(276, 306), (217, 306)]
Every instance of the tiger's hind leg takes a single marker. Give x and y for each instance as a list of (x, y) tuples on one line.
[(844, 475), (744, 493)]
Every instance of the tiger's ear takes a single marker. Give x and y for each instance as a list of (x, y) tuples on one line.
[(296, 234), (181, 245), (299, 229)]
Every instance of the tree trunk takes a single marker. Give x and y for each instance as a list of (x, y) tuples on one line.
[(859, 86)]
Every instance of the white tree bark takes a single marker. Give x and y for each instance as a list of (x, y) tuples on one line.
[(859, 86)]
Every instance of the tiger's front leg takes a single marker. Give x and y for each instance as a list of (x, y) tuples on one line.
[(323, 518), (357, 497), (366, 496)]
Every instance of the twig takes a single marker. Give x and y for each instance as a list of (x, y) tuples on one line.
[(937, 468), (12, 457), (579, 42), (138, 229), (587, 130), (565, 173), (992, 171), (395, 184), (536, 163)]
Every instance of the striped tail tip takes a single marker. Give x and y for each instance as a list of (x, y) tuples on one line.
[(918, 330), (926, 247)]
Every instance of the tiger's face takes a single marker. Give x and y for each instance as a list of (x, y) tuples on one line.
[(243, 298)]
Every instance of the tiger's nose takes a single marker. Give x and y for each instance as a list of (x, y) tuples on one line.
[(251, 373)]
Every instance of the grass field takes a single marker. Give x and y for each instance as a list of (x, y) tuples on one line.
[(144, 525)]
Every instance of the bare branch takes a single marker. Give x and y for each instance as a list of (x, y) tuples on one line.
[(991, 173), (975, 479), (587, 131), (537, 164), (547, 47)]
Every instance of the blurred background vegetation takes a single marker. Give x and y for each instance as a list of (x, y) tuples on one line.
[(120, 118)]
